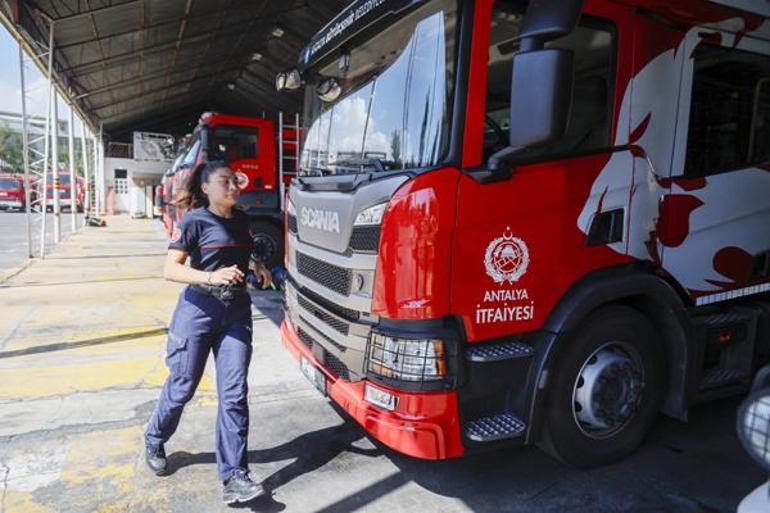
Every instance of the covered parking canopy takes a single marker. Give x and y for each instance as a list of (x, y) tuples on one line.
[(155, 65)]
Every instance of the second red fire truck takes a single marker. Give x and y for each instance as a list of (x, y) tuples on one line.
[(531, 222), (250, 146)]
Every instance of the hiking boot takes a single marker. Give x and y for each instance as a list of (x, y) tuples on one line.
[(240, 488), (155, 456)]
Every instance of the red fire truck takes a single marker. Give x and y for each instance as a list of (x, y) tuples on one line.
[(250, 147), (531, 222), (65, 191), (12, 192), (167, 200)]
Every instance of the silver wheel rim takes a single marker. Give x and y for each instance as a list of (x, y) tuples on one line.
[(608, 390)]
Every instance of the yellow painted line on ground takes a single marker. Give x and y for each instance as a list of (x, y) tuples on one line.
[(23, 502), (58, 379)]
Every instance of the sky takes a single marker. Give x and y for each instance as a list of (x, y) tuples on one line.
[(10, 86)]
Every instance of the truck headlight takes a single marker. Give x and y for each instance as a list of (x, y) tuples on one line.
[(406, 359), (371, 216)]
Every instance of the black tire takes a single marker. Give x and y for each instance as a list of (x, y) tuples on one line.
[(268, 243), (611, 330)]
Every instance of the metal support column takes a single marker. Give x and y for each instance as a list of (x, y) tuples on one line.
[(55, 190), (73, 182), (86, 179), (99, 173), (25, 155), (43, 191), (95, 157)]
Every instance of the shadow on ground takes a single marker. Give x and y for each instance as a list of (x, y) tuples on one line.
[(682, 468)]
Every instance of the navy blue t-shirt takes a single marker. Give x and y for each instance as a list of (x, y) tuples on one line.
[(214, 242)]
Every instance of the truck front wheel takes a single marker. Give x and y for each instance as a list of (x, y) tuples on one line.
[(268, 243), (607, 388)]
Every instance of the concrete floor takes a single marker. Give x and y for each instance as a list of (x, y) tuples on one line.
[(81, 364)]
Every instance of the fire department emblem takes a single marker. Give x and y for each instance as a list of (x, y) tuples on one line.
[(506, 258), (241, 180)]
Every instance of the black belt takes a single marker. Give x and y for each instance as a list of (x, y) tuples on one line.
[(225, 292)]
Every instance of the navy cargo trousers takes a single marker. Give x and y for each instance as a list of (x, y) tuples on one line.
[(203, 323)]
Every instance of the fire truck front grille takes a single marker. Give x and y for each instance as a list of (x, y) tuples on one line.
[(340, 311), (329, 320), (326, 274), (291, 221), (336, 366), (305, 338), (365, 238)]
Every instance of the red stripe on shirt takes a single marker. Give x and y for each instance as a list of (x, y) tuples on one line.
[(219, 246)]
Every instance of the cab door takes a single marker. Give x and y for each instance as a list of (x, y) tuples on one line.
[(522, 241)]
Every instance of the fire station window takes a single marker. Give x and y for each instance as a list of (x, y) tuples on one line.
[(729, 111), (594, 45), (231, 143)]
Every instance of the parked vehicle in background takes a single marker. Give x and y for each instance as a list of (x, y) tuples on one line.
[(531, 222), (12, 192), (754, 433), (66, 200), (168, 182), (157, 202)]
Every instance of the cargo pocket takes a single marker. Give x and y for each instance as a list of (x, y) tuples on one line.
[(176, 354)]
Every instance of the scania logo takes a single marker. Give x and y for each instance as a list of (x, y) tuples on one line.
[(326, 220)]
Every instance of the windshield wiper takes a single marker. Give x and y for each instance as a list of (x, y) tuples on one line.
[(361, 163), (316, 171)]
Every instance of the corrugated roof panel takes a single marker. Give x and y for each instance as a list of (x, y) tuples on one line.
[(141, 63)]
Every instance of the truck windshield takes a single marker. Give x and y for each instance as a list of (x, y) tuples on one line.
[(394, 103), (64, 178), (231, 143), (9, 184)]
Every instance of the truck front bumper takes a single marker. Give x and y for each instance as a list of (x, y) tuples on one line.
[(424, 425), (11, 204)]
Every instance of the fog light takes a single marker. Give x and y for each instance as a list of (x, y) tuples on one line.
[(380, 398)]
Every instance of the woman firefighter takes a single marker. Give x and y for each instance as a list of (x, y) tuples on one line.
[(213, 314)]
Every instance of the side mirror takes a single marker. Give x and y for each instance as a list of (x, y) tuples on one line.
[(541, 85), (541, 96), (288, 80), (280, 81)]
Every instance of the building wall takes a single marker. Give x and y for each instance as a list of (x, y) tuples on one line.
[(140, 175)]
